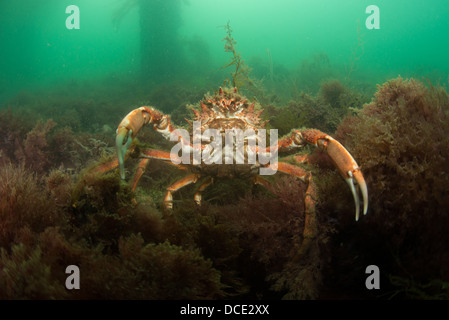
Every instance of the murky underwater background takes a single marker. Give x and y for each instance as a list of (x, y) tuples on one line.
[(276, 37), (309, 63)]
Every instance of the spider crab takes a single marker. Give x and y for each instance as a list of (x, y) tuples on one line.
[(227, 111)]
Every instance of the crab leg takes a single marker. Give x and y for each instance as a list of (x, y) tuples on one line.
[(131, 125), (192, 178), (147, 155), (155, 154), (198, 193), (310, 225), (342, 159), (261, 181), (139, 172)]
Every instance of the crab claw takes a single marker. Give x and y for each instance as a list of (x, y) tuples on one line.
[(122, 142), (350, 171), (127, 130)]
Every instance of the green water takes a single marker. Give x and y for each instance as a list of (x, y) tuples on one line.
[(166, 41), (309, 64)]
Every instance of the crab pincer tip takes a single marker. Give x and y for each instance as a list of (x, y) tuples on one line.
[(122, 142)]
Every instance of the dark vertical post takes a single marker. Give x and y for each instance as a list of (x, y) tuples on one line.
[(161, 51)]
